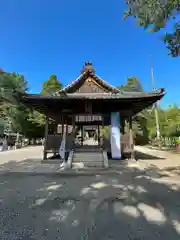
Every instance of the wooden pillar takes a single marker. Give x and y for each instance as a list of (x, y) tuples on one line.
[(45, 139), (98, 135), (131, 139), (62, 125), (102, 130), (67, 142), (73, 124), (66, 128), (122, 126), (82, 135)]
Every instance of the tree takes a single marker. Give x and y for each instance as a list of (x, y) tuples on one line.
[(51, 85), (172, 118), (154, 15), (12, 82), (11, 110), (133, 84), (169, 120), (2, 125), (34, 125), (140, 120), (15, 117)]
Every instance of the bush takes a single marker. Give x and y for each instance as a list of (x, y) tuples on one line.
[(141, 140)]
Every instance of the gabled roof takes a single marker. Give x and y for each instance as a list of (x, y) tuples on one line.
[(69, 88), (124, 95)]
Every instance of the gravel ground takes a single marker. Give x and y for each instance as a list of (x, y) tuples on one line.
[(131, 204), (128, 205)]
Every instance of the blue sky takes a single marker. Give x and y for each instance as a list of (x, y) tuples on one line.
[(42, 37)]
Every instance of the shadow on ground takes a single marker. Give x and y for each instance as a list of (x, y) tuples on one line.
[(131, 204), (143, 156), (173, 170), (30, 165)]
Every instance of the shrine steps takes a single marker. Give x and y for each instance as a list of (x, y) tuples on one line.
[(88, 157)]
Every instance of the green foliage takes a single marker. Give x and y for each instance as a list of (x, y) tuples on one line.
[(154, 15), (139, 121), (172, 40), (14, 116), (51, 85), (105, 132), (2, 126), (169, 120), (12, 81), (11, 110), (144, 123), (133, 84), (34, 125)]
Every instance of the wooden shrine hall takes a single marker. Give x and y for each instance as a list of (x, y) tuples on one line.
[(89, 101)]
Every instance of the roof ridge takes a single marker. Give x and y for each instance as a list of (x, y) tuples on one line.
[(107, 83), (79, 79), (69, 84)]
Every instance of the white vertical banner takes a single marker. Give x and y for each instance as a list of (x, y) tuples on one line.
[(63, 144), (115, 135)]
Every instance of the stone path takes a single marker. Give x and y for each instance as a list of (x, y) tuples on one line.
[(158, 158), (31, 152), (26, 160)]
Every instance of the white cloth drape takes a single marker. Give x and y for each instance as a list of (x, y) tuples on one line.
[(115, 135), (63, 145)]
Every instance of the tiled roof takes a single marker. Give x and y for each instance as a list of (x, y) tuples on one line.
[(110, 95)]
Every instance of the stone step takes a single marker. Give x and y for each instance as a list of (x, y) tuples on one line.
[(99, 164), (88, 155), (89, 161), (93, 165), (89, 158), (88, 150), (84, 158), (94, 162), (94, 168)]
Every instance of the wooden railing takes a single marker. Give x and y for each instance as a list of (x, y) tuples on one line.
[(125, 144), (52, 143), (169, 142)]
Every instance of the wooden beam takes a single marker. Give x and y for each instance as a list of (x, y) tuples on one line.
[(82, 137), (62, 125), (102, 131), (122, 125), (131, 139), (98, 135), (45, 140)]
